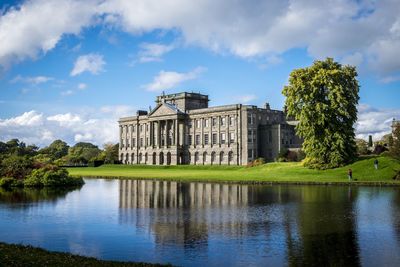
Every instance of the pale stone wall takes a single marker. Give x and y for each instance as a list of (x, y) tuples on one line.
[(223, 135)]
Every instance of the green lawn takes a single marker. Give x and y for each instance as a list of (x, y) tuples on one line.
[(18, 255), (363, 171)]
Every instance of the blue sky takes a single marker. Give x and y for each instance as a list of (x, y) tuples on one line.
[(69, 69)]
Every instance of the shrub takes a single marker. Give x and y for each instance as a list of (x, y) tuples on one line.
[(256, 162), (51, 176), (379, 149), (8, 182)]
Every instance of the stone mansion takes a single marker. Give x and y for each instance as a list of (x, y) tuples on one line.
[(182, 129)]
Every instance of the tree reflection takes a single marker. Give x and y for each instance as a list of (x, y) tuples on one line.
[(31, 196), (327, 228)]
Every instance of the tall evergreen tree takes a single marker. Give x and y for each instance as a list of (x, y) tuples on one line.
[(324, 98)]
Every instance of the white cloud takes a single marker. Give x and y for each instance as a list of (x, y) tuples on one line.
[(150, 52), (355, 31), (67, 93), (98, 126), (65, 119), (31, 118), (375, 122), (245, 98), (92, 63), (35, 27), (31, 80), (82, 86), (169, 79)]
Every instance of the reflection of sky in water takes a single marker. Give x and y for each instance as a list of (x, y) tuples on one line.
[(215, 224)]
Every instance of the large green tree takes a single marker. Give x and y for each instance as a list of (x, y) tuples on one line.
[(324, 98), (56, 150), (394, 149)]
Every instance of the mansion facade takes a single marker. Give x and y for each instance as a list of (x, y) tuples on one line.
[(182, 129)]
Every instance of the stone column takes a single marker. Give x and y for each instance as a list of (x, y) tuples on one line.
[(126, 137), (176, 132), (219, 131), (210, 140), (193, 132), (227, 130), (166, 134), (120, 137), (159, 134), (202, 132)]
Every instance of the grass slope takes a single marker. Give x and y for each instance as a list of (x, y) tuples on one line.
[(363, 171), (19, 255)]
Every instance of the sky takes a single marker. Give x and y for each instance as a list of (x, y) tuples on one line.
[(69, 69)]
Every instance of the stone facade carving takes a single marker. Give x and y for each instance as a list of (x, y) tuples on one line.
[(182, 129)]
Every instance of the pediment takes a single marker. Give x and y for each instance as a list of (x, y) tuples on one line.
[(164, 110)]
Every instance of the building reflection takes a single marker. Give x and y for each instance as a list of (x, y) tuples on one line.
[(166, 194), (315, 224)]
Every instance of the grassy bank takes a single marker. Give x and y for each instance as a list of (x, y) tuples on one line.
[(18, 255), (363, 171)]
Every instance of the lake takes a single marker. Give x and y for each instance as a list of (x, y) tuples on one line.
[(213, 224)]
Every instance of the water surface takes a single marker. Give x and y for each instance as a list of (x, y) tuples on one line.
[(194, 224)]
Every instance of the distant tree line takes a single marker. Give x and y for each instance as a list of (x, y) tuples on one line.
[(28, 165)]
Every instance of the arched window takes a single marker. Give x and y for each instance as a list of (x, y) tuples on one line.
[(221, 157), (230, 157), (126, 158), (169, 158), (204, 157), (154, 158), (132, 158), (212, 157), (140, 158), (161, 159), (145, 158)]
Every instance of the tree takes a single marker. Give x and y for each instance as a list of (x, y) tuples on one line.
[(56, 150), (110, 152), (362, 147), (370, 143), (83, 152), (324, 98), (394, 149)]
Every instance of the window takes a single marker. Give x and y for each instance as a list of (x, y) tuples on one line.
[(214, 121), (283, 141), (250, 119), (214, 138), (250, 136), (206, 123), (223, 121), (198, 123), (250, 153), (189, 139), (231, 120), (147, 141), (230, 156), (231, 138), (197, 139), (133, 142), (206, 139), (141, 142), (223, 138), (190, 123)]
